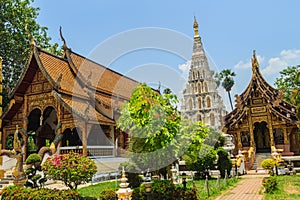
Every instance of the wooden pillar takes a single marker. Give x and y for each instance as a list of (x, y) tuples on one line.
[(272, 143), (239, 141), (25, 122), (252, 142), (84, 139), (285, 135), (112, 133)]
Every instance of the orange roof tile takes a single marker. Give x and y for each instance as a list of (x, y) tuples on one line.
[(104, 79)]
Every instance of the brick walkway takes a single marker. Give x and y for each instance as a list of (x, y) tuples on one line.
[(247, 189)]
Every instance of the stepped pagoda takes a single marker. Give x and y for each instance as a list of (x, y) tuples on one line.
[(201, 101), (262, 119)]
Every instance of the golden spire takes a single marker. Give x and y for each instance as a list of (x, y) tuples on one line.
[(254, 60), (196, 28)]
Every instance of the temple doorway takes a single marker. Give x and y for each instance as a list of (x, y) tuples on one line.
[(41, 129), (261, 137)]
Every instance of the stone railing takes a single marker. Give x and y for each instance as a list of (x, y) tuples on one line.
[(93, 151)]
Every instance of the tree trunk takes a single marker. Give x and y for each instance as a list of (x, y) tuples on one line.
[(230, 99)]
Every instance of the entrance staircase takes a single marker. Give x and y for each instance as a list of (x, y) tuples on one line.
[(258, 160)]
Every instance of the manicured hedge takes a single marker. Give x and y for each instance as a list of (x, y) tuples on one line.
[(160, 190), (21, 193)]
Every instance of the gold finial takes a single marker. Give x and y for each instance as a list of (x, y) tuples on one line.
[(63, 39), (196, 34), (254, 60), (195, 22), (32, 43)]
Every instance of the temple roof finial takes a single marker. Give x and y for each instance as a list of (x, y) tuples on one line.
[(254, 60), (196, 34), (63, 39)]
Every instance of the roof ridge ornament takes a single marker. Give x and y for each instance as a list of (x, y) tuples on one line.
[(63, 39), (32, 42), (254, 60)]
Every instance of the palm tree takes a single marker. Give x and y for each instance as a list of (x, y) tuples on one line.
[(226, 78)]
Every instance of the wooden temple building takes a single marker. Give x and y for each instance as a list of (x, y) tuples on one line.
[(262, 121), (69, 95)]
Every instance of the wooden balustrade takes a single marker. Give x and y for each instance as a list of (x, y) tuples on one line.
[(93, 151)]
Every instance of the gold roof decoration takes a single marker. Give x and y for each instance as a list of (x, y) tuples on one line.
[(196, 34), (254, 60)]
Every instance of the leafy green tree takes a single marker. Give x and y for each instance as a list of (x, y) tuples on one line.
[(202, 160), (15, 17), (296, 94), (226, 78), (158, 134), (288, 81)]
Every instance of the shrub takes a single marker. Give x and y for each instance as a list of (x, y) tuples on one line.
[(73, 169), (224, 162), (33, 163), (107, 194), (21, 193), (165, 189), (268, 164), (270, 184)]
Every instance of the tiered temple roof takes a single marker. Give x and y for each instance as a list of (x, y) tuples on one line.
[(79, 84), (274, 99)]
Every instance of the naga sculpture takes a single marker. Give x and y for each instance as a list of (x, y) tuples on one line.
[(17, 153)]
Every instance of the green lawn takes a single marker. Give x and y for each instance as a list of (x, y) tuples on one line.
[(214, 188), (94, 190), (288, 188)]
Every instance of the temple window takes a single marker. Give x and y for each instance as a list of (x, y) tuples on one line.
[(208, 102), (199, 88), (199, 103), (245, 139), (278, 136), (205, 87)]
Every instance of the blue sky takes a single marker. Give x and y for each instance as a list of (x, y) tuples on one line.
[(230, 30)]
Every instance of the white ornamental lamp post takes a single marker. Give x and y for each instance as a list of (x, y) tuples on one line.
[(124, 193)]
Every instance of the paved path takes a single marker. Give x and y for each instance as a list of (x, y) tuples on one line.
[(246, 189)]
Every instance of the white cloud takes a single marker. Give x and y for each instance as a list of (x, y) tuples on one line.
[(275, 66), (290, 54), (185, 67), (287, 58), (247, 65)]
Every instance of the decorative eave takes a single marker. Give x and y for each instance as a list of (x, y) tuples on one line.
[(80, 115)]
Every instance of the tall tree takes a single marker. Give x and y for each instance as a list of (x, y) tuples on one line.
[(15, 17), (226, 78), (296, 93), (288, 81), (158, 134)]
